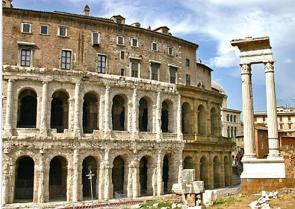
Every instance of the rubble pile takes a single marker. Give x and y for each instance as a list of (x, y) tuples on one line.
[(263, 201)]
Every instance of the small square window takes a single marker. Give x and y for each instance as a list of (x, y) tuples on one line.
[(120, 40), (63, 31), (170, 51), (134, 42), (25, 57), (44, 29), (155, 46), (26, 27)]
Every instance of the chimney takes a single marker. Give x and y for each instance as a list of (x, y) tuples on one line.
[(136, 24), (86, 10), (118, 19), (7, 3)]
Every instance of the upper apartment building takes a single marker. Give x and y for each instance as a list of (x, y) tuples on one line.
[(84, 93)]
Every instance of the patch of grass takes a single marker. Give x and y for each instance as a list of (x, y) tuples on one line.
[(224, 202)]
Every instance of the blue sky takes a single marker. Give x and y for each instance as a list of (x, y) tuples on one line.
[(212, 24)]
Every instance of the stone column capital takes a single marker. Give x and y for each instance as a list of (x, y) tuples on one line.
[(245, 69), (268, 67)]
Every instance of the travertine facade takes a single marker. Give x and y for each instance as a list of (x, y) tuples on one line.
[(74, 101)]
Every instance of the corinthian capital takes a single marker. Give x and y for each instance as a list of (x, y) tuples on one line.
[(268, 67), (245, 69)]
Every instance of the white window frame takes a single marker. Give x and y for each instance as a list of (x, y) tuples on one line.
[(58, 31), (157, 46), (130, 67), (98, 36), (123, 40), (22, 27), (47, 30), (131, 43), (170, 47), (72, 56), (106, 68)]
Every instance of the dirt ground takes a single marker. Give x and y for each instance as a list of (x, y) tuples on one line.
[(284, 201)]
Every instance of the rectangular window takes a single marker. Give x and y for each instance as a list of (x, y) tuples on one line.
[(63, 31), (26, 28), (122, 72), (134, 42), (134, 69), (122, 55), (25, 57), (101, 63), (155, 67), (170, 51), (66, 59), (188, 79), (187, 62), (44, 29), (95, 38), (120, 40), (172, 71), (155, 47)]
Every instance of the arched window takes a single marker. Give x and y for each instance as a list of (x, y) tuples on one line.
[(188, 163), (214, 121), (90, 112), (228, 132), (89, 163), (204, 171), (59, 111), (227, 170), (118, 171), (167, 116), (145, 114), (232, 132), (119, 111), (186, 118), (24, 179), (27, 109), (201, 120), (216, 172), (165, 173), (145, 176)]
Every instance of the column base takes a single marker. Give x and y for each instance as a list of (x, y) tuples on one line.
[(263, 168)]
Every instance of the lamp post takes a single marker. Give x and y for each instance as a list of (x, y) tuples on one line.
[(90, 175)]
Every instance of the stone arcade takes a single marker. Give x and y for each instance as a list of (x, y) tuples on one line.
[(129, 103)]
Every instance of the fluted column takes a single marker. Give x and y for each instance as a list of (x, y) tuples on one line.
[(159, 173), (134, 114), (77, 112), (248, 111), (107, 109), (43, 125), (76, 179), (178, 119), (9, 109), (158, 117), (272, 123)]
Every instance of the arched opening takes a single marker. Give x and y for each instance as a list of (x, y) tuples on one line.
[(214, 121), (24, 179), (216, 172), (89, 163), (143, 175), (119, 113), (118, 177), (90, 113), (204, 171), (227, 171), (144, 115), (58, 179), (59, 111), (201, 120), (188, 163), (27, 109), (186, 118), (165, 173), (167, 116)]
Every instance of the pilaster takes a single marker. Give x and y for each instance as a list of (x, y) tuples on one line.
[(44, 107), (159, 173), (158, 117), (8, 127), (107, 113), (77, 110)]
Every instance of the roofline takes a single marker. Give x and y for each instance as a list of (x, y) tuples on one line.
[(105, 20), (232, 110), (208, 68)]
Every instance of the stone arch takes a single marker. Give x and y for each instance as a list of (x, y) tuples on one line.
[(145, 114), (188, 163), (204, 171), (90, 112), (186, 119), (24, 179), (27, 108), (59, 111), (89, 163), (202, 122), (58, 179), (216, 172), (167, 116), (118, 176), (119, 112), (166, 169), (227, 171), (214, 121), (145, 175)]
